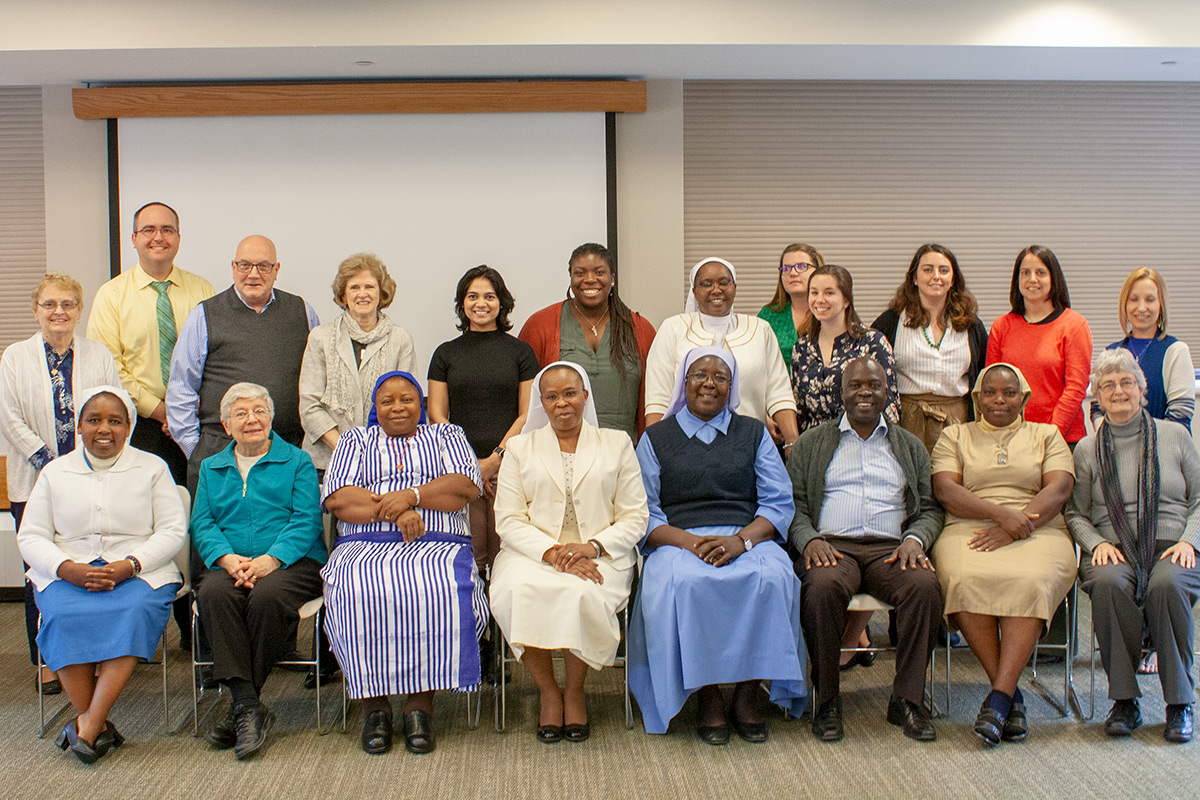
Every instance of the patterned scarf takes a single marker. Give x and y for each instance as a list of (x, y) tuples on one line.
[(1138, 547), (340, 380)]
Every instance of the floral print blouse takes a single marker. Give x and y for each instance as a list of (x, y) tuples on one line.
[(818, 386)]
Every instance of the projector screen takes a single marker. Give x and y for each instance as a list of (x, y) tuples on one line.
[(432, 195)]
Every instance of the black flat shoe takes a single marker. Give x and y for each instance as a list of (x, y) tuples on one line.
[(1179, 723), (327, 677), (577, 733), (913, 718), (52, 686), (418, 732), (753, 732), (69, 738), (377, 732), (713, 734), (827, 721), (1124, 718), (989, 725), (549, 734), (1016, 727)]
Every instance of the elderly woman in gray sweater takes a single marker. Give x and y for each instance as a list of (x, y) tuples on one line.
[(1135, 513)]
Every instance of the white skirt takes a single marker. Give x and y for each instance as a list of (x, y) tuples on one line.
[(535, 605)]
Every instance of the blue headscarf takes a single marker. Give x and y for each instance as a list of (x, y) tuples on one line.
[(373, 418)]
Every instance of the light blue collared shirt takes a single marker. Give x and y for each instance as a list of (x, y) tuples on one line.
[(775, 503), (187, 372), (864, 487)]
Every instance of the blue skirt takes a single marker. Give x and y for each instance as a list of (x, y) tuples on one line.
[(82, 627), (695, 624)]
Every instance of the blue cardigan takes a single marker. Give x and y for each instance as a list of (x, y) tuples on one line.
[(276, 512)]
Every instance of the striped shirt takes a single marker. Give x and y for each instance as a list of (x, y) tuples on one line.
[(864, 487), (922, 368)]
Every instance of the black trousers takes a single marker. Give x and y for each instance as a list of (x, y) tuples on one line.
[(31, 609), (148, 435), (250, 629)]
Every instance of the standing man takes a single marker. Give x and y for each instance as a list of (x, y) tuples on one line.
[(251, 333), (137, 315), (865, 517)]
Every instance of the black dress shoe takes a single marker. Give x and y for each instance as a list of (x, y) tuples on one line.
[(577, 733), (418, 732), (827, 722), (377, 732), (69, 738), (716, 735), (549, 734), (327, 677), (223, 735), (52, 686), (205, 679), (912, 717), (251, 724), (989, 725), (1016, 727), (1179, 723), (753, 732), (1124, 718), (862, 658), (110, 738)]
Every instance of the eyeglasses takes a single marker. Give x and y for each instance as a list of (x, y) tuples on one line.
[(151, 231), (724, 283), (1126, 384), (241, 415), (800, 268), (65, 305), (264, 267), (703, 377)]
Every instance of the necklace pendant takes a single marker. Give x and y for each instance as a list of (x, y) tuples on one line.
[(594, 331), (1002, 458)]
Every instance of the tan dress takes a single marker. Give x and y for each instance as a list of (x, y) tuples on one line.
[(1029, 577)]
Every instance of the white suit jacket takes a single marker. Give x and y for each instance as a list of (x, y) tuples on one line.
[(610, 501), (131, 509), (27, 407)]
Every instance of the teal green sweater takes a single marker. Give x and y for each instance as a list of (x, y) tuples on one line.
[(276, 512)]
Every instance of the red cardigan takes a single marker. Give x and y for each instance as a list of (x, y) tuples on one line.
[(1055, 358), (540, 331)]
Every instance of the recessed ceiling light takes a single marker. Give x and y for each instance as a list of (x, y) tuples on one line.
[(363, 63)]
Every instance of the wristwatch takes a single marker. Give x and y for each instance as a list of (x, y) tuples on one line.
[(499, 451), (746, 541)]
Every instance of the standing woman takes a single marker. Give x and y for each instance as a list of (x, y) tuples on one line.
[(939, 343), (832, 337), (1166, 361), (788, 309), (345, 357), (1049, 342), (481, 382), (596, 330), (708, 321), (40, 378)]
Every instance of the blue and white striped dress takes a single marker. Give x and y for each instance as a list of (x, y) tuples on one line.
[(404, 618)]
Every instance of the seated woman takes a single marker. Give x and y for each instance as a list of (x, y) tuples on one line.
[(719, 602), (97, 517), (256, 524), (570, 510), (1004, 560), (405, 605), (1135, 512)]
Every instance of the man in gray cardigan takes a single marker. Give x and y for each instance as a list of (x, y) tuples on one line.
[(865, 517)]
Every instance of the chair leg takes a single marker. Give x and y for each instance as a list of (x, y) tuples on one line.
[(166, 706)]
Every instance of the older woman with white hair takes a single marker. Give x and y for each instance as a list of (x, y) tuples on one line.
[(101, 527), (570, 509), (1135, 512), (256, 525), (709, 320)]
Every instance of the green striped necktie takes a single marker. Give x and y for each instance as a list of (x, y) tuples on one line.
[(166, 328)]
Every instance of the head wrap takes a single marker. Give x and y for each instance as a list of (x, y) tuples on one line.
[(82, 398), (690, 303), (536, 416), (373, 417), (679, 394), (1026, 392)]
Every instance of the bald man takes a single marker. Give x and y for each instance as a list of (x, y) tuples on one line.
[(250, 332)]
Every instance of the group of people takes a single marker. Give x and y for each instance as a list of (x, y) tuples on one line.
[(752, 473)]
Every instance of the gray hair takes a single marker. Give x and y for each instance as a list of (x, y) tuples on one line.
[(246, 391), (1117, 360)]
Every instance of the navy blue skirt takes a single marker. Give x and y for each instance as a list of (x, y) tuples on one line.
[(82, 627)]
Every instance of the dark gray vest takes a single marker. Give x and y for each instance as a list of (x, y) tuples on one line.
[(708, 484), (264, 348)]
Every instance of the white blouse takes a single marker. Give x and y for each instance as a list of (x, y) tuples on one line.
[(922, 368)]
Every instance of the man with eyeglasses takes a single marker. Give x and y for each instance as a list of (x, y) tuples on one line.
[(137, 316), (251, 332)]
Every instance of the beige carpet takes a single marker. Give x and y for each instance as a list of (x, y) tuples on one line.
[(1062, 758)]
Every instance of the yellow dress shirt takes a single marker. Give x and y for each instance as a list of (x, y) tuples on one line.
[(125, 318)]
